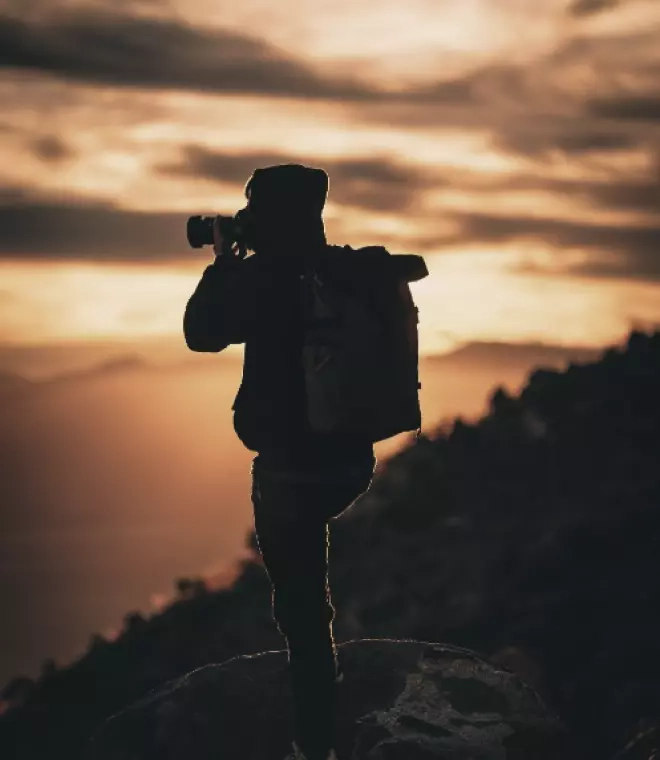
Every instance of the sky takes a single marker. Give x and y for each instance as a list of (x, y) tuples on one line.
[(513, 143)]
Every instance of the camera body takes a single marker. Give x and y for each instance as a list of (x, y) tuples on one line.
[(234, 230)]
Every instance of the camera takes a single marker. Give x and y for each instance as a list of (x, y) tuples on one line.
[(234, 231)]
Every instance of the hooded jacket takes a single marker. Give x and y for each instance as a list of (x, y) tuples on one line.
[(257, 301)]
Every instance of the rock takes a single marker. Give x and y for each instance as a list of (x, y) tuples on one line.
[(645, 744), (400, 700), (519, 662)]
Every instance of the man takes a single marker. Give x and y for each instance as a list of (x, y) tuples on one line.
[(301, 479)]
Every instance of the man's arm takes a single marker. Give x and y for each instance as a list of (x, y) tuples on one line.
[(215, 313), (222, 308)]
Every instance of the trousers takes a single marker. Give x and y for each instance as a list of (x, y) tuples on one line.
[(292, 511)]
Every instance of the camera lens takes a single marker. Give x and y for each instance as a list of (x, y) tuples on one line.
[(200, 231)]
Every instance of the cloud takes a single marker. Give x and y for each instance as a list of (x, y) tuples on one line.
[(629, 251), (231, 168), (637, 266), (581, 122), (624, 195), (378, 185), (370, 183), (75, 229), (51, 149), (614, 193), (100, 46), (587, 105), (594, 140), (591, 7), (576, 139), (625, 107), (114, 44)]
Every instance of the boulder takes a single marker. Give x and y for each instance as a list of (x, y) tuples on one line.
[(645, 744), (400, 700)]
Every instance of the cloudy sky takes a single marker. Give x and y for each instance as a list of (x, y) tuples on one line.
[(515, 143)]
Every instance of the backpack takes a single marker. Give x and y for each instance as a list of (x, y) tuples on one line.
[(360, 343)]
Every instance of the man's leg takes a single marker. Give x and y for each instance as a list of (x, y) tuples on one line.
[(292, 538), (292, 534)]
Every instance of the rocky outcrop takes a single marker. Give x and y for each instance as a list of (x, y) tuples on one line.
[(645, 744), (537, 529), (400, 700)]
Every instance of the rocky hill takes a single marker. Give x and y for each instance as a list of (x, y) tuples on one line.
[(400, 700), (531, 536)]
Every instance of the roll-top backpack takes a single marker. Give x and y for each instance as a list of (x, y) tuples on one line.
[(360, 349)]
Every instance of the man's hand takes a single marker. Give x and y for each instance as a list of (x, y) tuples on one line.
[(217, 237)]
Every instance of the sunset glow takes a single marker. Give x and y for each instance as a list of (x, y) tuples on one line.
[(491, 137), (470, 296)]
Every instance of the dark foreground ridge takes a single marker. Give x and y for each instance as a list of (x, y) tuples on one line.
[(402, 700), (531, 536)]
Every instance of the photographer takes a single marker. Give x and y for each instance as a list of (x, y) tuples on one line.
[(304, 474)]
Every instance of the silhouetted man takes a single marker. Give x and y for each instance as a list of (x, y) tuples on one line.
[(301, 478)]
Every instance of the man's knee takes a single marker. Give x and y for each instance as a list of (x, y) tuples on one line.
[(298, 613)]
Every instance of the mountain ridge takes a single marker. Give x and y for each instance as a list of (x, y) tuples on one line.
[(532, 530)]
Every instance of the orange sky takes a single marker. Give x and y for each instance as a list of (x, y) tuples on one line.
[(513, 143)]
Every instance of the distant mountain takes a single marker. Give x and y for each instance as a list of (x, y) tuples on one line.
[(11, 383), (515, 354), (80, 360)]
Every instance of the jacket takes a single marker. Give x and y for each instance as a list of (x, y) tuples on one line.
[(256, 301)]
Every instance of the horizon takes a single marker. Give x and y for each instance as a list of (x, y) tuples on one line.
[(43, 363)]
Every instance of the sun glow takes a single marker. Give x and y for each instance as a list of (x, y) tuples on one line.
[(73, 301), (473, 294)]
